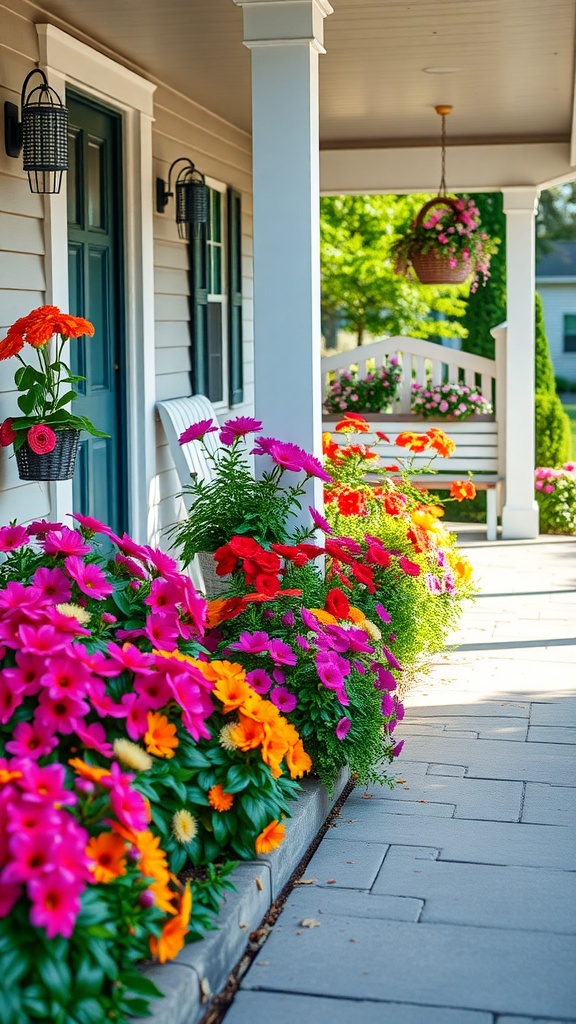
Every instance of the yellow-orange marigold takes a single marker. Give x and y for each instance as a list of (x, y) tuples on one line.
[(248, 734), (88, 771), (462, 490), (160, 738), (270, 837), (219, 799), (298, 761), (414, 442), (108, 855)]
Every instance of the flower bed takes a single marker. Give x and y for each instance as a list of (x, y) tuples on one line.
[(150, 739), (556, 497), (448, 400), (376, 392)]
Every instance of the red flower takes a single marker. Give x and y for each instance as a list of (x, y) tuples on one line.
[(377, 555), (462, 489), (352, 423), (383, 437), (394, 503), (38, 327), (335, 551), (337, 603), (7, 433), (226, 561), (415, 442), (410, 568), (41, 439), (352, 503), (268, 584), (244, 547), (365, 575)]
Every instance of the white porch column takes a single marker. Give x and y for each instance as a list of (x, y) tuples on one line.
[(520, 513), (285, 37)]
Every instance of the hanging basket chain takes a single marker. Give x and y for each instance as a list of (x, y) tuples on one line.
[(442, 190)]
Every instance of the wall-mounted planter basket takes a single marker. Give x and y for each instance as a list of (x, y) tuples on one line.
[(55, 465)]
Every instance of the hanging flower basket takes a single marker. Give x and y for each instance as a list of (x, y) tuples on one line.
[(57, 464), (444, 244)]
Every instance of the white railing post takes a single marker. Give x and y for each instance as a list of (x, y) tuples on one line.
[(499, 334), (520, 512)]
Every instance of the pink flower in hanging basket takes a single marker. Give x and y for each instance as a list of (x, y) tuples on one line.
[(41, 439)]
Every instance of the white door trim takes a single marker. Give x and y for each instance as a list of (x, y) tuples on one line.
[(70, 63)]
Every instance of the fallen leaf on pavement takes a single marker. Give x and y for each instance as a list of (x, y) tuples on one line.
[(310, 922), (306, 881)]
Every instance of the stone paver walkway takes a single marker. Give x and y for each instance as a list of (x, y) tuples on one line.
[(452, 899)]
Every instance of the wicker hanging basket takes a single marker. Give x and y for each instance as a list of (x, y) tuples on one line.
[(431, 267), (55, 465)]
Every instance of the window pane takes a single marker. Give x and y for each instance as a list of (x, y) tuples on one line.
[(215, 216), (570, 323), (215, 392), (570, 342), (216, 270)]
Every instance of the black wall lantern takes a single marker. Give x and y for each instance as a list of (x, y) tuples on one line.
[(191, 193), (42, 134)]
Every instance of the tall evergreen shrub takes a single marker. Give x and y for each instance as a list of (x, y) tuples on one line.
[(486, 308), (553, 434)]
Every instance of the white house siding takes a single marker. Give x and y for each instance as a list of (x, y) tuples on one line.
[(223, 153), (22, 270), (181, 128), (558, 298)]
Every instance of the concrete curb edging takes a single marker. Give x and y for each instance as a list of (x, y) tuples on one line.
[(202, 968)]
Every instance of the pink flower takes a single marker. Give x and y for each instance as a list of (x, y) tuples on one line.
[(259, 680), (46, 785), (383, 614), (40, 527), (13, 537), (164, 594), (153, 690), (283, 699), (64, 675), (162, 631), (41, 439), (397, 749), (94, 738), (102, 702), (343, 728), (128, 805), (55, 904), (387, 705), (10, 892), (392, 661), (60, 713), (94, 525), (238, 427), (281, 653), (197, 431), (251, 643), (42, 640), (409, 567), (53, 584), (129, 657), (132, 567), (384, 678), (90, 579), (31, 740), (136, 712), (11, 697), (33, 853), (319, 520), (65, 542)]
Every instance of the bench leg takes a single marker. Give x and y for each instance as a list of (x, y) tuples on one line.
[(491, 514)]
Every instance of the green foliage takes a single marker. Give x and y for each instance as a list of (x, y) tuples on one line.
[(486, 308), (556, 497), (358, 278), (544, 383), (553, 434), (556, 219)]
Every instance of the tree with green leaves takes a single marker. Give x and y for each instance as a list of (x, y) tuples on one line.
[(359, 283), (486, 307), (556, 219)]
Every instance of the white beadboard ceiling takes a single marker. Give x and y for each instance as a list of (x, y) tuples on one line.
[(514, 61)]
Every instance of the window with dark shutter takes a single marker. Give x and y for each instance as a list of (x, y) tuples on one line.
[(570, 332), (235, 368)]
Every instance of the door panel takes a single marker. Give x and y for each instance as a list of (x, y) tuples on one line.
[(96, 292)]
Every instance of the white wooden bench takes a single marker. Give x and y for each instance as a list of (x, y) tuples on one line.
[(479, 439)]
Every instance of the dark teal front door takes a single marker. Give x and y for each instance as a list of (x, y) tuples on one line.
[(95, 262)]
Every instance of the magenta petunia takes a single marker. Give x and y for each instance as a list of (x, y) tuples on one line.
[(392, 661), (313, 467), (281, 653), (409, 567), (319, 520), (343, 728), (197, 431), (251, 643), (399, 711), (13, 537), (302, 643), (90, 523), (387, 705), (128, 805), (53, 584), (94, 738), (283, 699), (40, 527), (65, 542), (259, 680), (384, 678), (46, 785), (397, 749), (65, 674), (383, 614), (31, 740), (11, 697), (55, 904), (129, 657), (89, 578), (238, 427), (61, 713)]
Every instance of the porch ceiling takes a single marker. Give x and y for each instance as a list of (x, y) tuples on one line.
[(513, 61)]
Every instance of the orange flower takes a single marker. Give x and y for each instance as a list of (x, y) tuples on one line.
[(259, 709), (153, 862), (38, 327), (7, 776), (463, 569), (270, 837), (173, 936), (248, 734), (108, 853), (298, 761), (219, 799), (232, 690), (356, 616), (274, 749), (352, 423), (88, 771), (326, 618), (415, 442), (462, 489), (161, 738), (351, 502), (163, 896), (441, 443)]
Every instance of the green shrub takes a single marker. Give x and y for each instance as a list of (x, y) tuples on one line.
[(544, 382), (553, 434), (556, 497)]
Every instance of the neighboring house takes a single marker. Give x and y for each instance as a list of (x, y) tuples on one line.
[(556, 283)]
